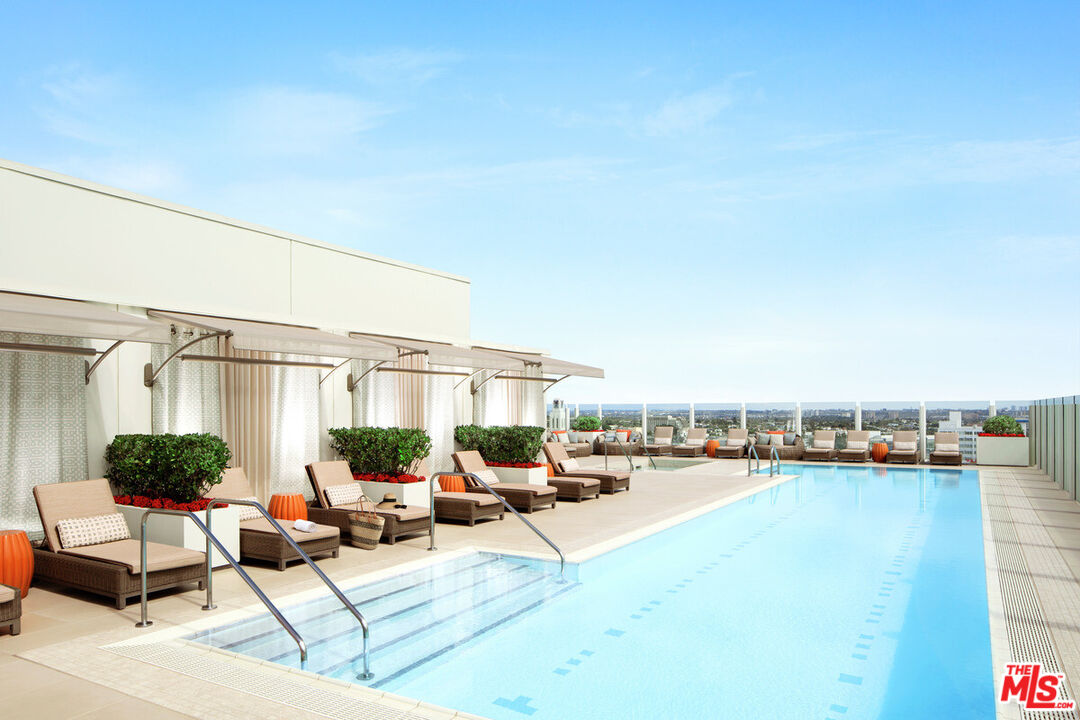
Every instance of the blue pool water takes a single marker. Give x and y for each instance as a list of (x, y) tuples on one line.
[(849, 592)]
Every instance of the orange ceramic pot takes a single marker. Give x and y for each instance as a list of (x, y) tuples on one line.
[(16, 560), (710, 447), (878, 451), (288, 507), (550, 470)]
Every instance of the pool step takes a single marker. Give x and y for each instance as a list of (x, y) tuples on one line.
[(415, 619)]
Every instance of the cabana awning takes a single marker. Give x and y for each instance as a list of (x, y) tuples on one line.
[(549, 365), (445, 354), (74, 318), (272, 337)]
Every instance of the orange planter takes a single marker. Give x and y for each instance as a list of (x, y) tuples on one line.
[(16, 560), (550, 470), (710, 447), (878, 451), (288, 507)]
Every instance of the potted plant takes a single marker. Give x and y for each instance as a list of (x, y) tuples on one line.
[(172, 472), (588, 428), (386, 460), (1002, 442), (510, 451)]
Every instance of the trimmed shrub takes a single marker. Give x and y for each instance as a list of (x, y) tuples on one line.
[(173, 467), (502, 444), (381, 451), (1002, 425), (586, 423)]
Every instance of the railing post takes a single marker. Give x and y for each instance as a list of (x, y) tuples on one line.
[(922, 431), (742, 416), (692, 418), (143, 622), (431, 512), (798, 418), (858, 416)]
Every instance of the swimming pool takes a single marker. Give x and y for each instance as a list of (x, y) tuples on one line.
[(848, 592)]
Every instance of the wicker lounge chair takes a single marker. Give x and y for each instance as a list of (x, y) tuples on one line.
[(694, 445), (858, 449), (661, 444), (795, 451), (10, 609), (467, 507), (111, 569), (521, 496), (573, 449), (735, 445), (258, 538), (901, 454), (398, 522), (946, 449), (565, 467), (824, 447)]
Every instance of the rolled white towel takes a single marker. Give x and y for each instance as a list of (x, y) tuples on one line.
[(304, 526)]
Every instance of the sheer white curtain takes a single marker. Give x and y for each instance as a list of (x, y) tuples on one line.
[(439, 420), (186, 397), (42, 425), (294, 437)]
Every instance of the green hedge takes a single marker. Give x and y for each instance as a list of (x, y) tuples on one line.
[(586, 423), (388, 451), (502, 444), (1002, 425), (175, 467)]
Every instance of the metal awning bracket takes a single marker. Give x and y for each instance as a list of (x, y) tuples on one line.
[(351, 384), (337, 367), (150, 374), (553, 382), (91, 368), (476, 387)]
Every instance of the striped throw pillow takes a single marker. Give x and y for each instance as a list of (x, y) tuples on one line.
[(95, 530)]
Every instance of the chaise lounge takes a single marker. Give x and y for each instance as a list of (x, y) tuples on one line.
[(946, 449), (694, 445), (334, 506), (858, 447), (452, 502), (610, 481), (11, 609), (521, 496), (97, 553), (905, 447), (258, 538), (661, 444), (823, 446), (735, 445)]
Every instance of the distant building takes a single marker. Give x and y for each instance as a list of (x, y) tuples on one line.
[(967, 433)]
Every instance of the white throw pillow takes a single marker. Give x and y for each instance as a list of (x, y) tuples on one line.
[(858, 444), (95, 530), (776, 439), (824, 444), (338, 495), (570, 465), (947, 447), (249, 513), (488, 476), (563, 437), (735, 442), (905, 446)]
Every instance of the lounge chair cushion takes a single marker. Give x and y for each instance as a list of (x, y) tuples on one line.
[(857, 444), (475, 498), (262, 525), (825, 444), (950, 453), (736, 442), (126, 553), (6, 594), (329, 473), (412, 512), (903, 446), (61, 501), (539, 490), (339, 495), (488, 476), (947, 448), (96, 530), (569, 465)]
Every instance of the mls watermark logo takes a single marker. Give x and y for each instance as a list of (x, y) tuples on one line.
[(1033, 689)]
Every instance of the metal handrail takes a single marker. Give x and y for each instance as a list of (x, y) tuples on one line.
[(210, 539), (773, 452), (508, 506), (645, 449), (366, 674), (753, 453)]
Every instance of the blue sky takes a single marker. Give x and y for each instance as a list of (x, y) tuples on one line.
[(713, 202)]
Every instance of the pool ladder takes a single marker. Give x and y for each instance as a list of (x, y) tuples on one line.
[(626, 453), (212, 540), (773, 454)]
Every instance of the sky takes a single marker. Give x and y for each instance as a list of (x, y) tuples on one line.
[(715, 202)]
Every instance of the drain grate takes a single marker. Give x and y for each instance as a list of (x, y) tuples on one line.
[(1028, 632)]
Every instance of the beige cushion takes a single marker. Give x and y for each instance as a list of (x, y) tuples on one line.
[(63, 501), (469, 461), (587, 482), (947, 452), (489, 476), (79, 532), (6, 594), (528, 487), (412, 512), (947, 447), (904, 446), (857, 444), (569, 465), (736, 442), (474, 498), (824, 444), (234, 484), (247, 512), (776, 439), (126, 553), (262, 525), (694, 442), (338, 495), (327, 474)]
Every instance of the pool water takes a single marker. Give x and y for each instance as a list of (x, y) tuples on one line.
[(848, 592)]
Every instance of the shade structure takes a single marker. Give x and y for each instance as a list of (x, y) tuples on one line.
[(74, 318), (549, 365), (278, 338), (446, 354)]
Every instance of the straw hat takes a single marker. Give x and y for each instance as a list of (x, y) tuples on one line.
[(388, 500)]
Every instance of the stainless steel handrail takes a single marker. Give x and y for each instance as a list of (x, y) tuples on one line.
[(645, 449), (752, 453), (210, 539), (508, 506), (626, 452), (773, 452), (366, 674)]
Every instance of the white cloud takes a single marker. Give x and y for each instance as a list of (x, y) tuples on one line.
[(688, 113), (78, 102), (397, 66)]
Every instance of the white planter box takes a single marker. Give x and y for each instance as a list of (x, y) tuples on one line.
[(531, 476), (407, 493), (181, 532), (1002, 451)]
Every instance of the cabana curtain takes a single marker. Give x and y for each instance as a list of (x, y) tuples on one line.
[(42, 425), (187, 395)]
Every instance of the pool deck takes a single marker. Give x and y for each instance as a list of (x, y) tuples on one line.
[(57, 668)]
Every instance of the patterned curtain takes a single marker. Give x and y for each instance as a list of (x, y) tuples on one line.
[(186, 397), (492, 403), (42, 425), (294, 438), (374, 399), (439, 420)]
